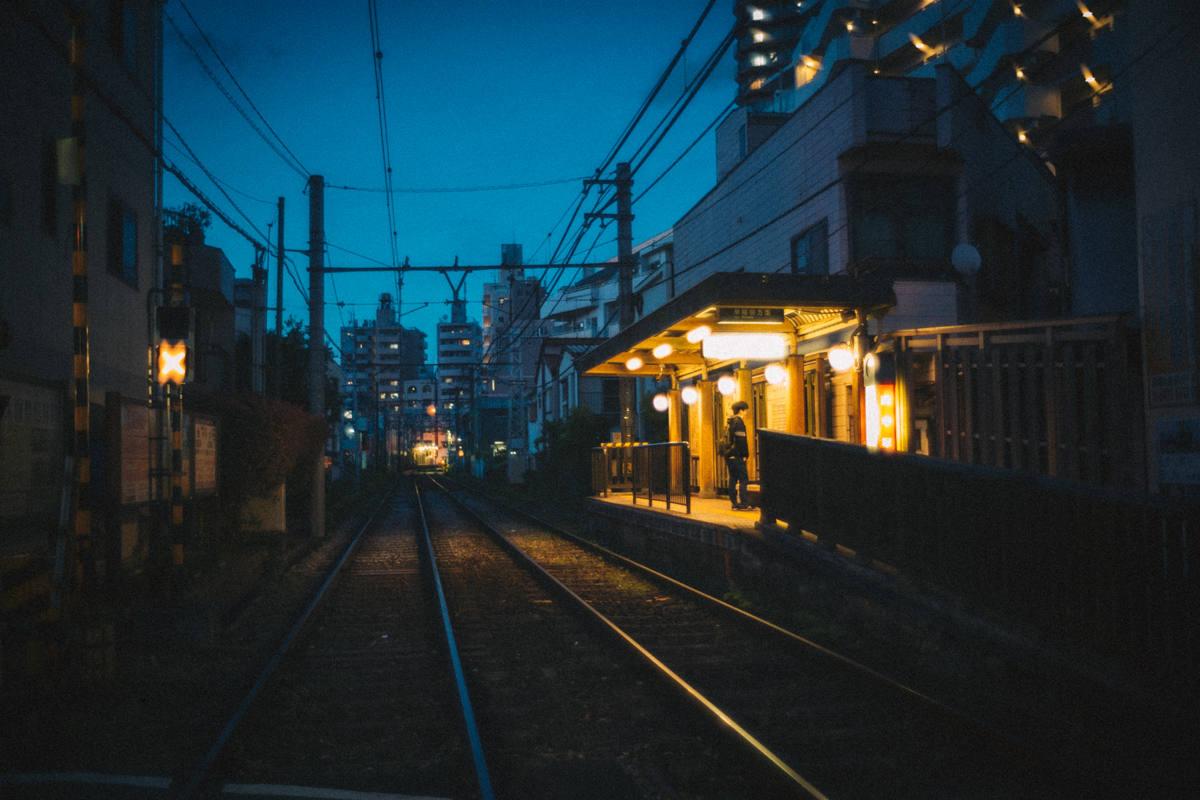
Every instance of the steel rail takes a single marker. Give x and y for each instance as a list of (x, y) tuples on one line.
[(906, 692), (481, 772), (605, 622), (197, 776)]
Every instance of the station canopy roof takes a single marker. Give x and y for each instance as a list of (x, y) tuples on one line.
[(805, 308)]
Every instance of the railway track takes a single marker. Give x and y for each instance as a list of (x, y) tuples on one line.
[(363, 696), (839, 729), (449, 657)]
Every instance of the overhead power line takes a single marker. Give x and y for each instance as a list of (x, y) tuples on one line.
[(381, 107), (498, 188), (290, 158)]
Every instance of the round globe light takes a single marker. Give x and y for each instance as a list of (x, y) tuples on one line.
[(726, 385), (775, 374), (661, 403), (965, 259), (663, 350), (696, 335), (841, 358), (690, 395), (634, 364)]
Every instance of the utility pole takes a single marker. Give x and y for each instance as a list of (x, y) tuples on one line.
[(625, 264), (316, 340), (279, 307)]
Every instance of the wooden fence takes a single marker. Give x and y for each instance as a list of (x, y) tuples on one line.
[(1106, 568), (1060, 398)]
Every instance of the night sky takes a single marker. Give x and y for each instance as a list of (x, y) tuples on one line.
[(478, 94)]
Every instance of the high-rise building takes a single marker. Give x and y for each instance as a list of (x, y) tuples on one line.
[(511, 308), (377, 357), (1049, 71)]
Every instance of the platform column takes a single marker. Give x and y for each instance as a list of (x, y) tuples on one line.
[(674, 416), (797, 415), (745, 392), (706, 441)]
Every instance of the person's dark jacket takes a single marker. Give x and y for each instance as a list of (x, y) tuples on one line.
[(737, 437)]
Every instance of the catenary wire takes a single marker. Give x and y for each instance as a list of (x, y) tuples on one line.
[(303, 171)]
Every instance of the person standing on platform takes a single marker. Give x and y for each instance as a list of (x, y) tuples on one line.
[(739, 451)]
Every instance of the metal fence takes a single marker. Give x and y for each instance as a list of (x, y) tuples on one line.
[(645, 470), (1104, 567)]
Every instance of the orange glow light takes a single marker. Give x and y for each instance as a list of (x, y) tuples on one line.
[(172, 362)]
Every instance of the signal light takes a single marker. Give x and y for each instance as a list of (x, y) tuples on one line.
[(172, 363)]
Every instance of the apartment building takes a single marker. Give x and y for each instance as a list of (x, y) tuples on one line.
[(378, 356), (39, 176), (1043, 71)]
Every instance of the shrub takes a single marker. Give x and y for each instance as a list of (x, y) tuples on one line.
[(262, 443)]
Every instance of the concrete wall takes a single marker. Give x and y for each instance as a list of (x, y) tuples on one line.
[(35, 264)]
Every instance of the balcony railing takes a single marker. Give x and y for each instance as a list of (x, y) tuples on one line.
[(650, 470)]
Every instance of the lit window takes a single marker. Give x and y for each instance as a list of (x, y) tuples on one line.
[(759, 36), (758, 60), (757, 14)]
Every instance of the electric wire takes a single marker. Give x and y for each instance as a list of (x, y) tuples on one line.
[(720, 116), (462, 189), (681, 105), (302, 170), (196, 160), (237, 106), (1018, 151), (381, 109)]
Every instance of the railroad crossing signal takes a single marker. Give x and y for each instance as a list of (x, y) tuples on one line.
[(172, 362), (173, 326)]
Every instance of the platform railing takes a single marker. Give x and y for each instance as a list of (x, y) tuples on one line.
[(662, 471), (1111, 569)]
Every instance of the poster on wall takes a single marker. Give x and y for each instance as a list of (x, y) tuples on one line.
[(1178, 450), (776, 395), (135, 453), (205, 449), (31, 451)]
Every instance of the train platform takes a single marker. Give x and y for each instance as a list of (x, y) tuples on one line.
[(712, 510)]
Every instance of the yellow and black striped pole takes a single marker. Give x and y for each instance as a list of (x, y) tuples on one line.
[(175, 415), (79, 270)]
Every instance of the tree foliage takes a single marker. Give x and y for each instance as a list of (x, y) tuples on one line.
[(262, 442), (293, 380), (565, 475), (186, 224)]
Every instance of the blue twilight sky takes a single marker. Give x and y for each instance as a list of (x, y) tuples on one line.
[(478, 94)]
